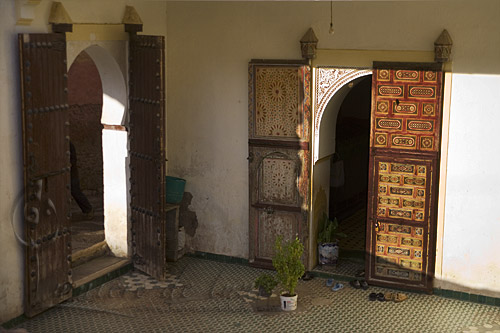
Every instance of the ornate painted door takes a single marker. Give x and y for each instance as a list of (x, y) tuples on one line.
[(47, 195), (147, 153), (279, 156), (403, 180)]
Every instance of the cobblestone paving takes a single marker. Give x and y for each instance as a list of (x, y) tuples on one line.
[(208, 296)]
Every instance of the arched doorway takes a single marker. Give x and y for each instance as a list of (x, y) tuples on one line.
[(332, 85), (85, 108), (349, 165), (108, 136)]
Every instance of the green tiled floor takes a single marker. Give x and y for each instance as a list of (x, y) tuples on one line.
[(208, 296), (354, 227)]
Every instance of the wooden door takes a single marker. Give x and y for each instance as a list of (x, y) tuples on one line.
[(404, 169), (147, 153), (47, 195), (279, 156)]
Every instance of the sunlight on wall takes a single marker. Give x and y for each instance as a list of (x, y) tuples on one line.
[(114, 146), (472, 222), (115, 111)]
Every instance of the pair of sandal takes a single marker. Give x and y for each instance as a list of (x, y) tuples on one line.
[(336, 287), (359, 284), (387, 297)]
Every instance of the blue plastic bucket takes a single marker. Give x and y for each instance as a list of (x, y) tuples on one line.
[(174, 189)]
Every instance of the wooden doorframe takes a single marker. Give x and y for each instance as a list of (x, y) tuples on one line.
[(363, 60)]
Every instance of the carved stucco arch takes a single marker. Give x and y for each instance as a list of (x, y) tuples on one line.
[(327, 82)]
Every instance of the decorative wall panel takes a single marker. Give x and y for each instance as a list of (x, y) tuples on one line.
[(280, 101), (405, 108), (276, 89), (399, 251), (278, 181), (401, 190), (272, 225)]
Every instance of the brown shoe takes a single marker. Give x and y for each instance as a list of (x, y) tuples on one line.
[(389, 296)]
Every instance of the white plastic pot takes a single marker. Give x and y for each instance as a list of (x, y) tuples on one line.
[(288, 303)]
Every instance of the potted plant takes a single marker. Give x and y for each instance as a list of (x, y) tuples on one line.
[(328, 247), (289, 268), (265, 283)]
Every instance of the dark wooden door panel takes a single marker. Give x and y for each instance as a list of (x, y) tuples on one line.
[(403, 180), (46, 170), (147, 153), (279, 113)]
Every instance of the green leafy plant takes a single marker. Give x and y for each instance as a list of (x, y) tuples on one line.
[(288, 264), (328, 230), (266, 282)]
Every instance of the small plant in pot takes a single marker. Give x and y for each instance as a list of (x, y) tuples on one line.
[(266, 284), (328, 239), (289, 268)]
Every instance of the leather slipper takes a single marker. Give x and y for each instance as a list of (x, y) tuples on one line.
[(363, 284), (389, 296), (399, 297), (372, 297), (380, 297), (355, 284)]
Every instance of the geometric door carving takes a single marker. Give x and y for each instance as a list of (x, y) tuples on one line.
[(403, 178), (278, 146)]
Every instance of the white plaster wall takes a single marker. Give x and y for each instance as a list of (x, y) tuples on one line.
[(470, 245), (209, 45), (11, 172), (114, 153)]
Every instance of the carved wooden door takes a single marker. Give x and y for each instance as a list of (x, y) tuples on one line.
[(403, 180), (279, 156), (47, 195), (147, 153)]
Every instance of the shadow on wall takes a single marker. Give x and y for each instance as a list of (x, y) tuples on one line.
[(188, 218)]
